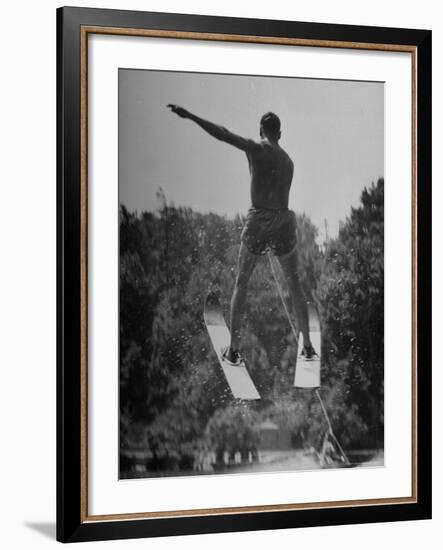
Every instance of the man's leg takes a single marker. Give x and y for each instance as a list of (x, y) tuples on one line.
[(289, 263), (246, 264)]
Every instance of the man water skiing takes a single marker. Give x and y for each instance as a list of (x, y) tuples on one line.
[(270, 225)]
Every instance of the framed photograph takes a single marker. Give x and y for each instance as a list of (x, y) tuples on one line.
[(244, 274)]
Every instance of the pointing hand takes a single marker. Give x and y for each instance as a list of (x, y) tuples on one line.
[(183, 113)]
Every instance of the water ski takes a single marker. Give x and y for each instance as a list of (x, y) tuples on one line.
[(240, 383), (307, 372)]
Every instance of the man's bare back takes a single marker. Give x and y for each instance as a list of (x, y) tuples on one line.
[(271, 172)]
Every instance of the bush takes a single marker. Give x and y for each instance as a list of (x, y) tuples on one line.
[(232, 429)]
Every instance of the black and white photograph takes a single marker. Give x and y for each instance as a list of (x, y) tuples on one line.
[(218, 317), (251, 273)]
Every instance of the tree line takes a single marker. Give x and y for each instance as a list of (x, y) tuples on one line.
[(174, 401)]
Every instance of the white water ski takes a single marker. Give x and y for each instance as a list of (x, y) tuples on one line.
[(239, 381)]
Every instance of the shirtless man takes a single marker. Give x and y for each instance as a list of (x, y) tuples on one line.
[(270, 225)]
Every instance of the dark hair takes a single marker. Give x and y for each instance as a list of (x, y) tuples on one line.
[(270, 123)]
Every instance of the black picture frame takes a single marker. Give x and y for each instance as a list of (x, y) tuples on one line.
[(72, 525)]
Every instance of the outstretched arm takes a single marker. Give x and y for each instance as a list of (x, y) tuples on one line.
[(216, 131)]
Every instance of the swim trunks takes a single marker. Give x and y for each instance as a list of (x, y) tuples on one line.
[(267, 229)]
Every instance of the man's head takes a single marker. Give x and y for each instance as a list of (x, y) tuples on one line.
[(270, 126)]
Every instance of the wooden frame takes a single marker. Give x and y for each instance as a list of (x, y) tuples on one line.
[(73, 26)]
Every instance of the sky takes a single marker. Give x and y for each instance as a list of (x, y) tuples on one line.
[(332, 130)]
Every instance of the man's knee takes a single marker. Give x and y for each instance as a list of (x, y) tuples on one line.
[(241, 282), (293, 277), (243, 276), (290, 265)]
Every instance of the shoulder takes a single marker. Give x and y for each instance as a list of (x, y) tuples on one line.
[(288, 159)]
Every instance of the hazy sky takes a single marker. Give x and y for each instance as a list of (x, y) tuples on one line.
[(333, 131)]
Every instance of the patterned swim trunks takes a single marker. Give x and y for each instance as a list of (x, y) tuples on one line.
[(267, 229)]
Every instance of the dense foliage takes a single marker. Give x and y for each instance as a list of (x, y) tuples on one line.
[(174, 400)]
